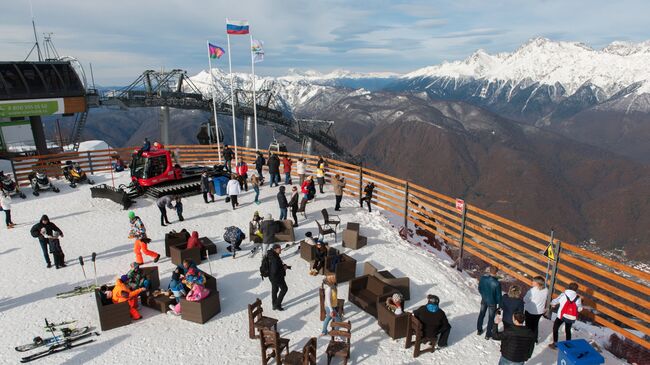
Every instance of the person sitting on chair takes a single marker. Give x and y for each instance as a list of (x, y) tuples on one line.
[(395, 304), (434, 321)]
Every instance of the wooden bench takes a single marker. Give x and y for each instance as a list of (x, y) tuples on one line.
[(173, 239), (367, 292), (394, 325), (257, 321), (202, 311), (403, 285)]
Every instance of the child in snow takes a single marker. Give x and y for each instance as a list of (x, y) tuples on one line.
[(194, 276), (257, 228), (196, 294), (395, 304), (5, 204), (176, 285), (55, 248), (137, 229), (140, 246), (178, 205)]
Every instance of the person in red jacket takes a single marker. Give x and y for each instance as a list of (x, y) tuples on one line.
[(194, 241), (286, 162), (242, 171)]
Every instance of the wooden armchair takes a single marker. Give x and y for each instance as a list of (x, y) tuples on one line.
[(175, 238), (345, 270), (351, 237), (339, 348), (257, 321), (394, 325), (403, 285), (307, 251), (306, 357), (180, 252), (366, 292), (325, 231), (112, 315), (271, 340), (414, 329), (285, 233)]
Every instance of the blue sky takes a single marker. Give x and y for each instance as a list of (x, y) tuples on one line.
[(123, 38)]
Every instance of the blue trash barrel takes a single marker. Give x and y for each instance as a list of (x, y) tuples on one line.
[(220, 185), (578, 352)]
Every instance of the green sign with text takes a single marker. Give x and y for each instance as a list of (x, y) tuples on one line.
[(28, 108)]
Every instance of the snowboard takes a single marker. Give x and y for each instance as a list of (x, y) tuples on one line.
[(77, 291), (39, 342)]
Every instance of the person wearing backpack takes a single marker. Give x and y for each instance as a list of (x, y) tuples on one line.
[(569, 305), (277, 272)]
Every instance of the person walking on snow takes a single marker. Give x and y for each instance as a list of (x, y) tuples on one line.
[(274, 169), (37, 232), (490, 289), (232, 189), (368, 190), (338, 184), (569, 306), (206, 187), (286, 168), (535, 304), (260, 161), (163, 203), (255, 182), (282, 203), (228, 155), (5, 204), (140, 246), (330, 303), (300, 169), (137, 230), (277, 273)]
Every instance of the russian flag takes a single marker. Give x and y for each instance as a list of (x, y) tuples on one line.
[(237, 26)]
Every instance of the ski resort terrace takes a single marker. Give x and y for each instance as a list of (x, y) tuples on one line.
[(617, 295)]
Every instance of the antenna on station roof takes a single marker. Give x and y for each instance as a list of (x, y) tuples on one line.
[(36, 44)]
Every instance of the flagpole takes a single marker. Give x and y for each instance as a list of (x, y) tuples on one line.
[(214, 105), (232, 97), (254, 97)]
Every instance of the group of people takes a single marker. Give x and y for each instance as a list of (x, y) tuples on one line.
[(521, 316), (128, 288), (188, 282)]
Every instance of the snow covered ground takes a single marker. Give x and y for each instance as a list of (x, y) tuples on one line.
[(28, 288)]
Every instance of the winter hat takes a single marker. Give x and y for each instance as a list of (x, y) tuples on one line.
[(191, 271), (124, 278), (397, 297), (282, 189), (269, 217), (131, 214), (433, 299)]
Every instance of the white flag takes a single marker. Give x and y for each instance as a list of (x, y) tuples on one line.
[(257, 48)]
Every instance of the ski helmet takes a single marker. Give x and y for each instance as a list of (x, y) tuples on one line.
[(131, 214)]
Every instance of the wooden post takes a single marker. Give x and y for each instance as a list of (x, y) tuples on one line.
[(360, 181), (556, 264), (462, 238), (90, 163), (406, 205)]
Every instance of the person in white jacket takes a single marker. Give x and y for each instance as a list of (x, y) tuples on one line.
[(232, 189), (5, 204), (569, 296), (300, 169), (535, 304)]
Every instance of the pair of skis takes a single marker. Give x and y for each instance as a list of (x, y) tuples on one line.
[(88, 288), (57, 343)]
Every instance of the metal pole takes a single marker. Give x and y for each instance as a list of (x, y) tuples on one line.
[(462, 238), (232, 99), (254, 97), (406, 205), (90, 163), (558, 250), (38, 48), (214, 105), (548, 261), (92, 76), (360, 180)]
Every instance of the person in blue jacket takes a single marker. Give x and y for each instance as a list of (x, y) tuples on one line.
[(176, 285), (490, 289)]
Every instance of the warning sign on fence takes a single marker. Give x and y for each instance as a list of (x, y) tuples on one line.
[(549, 252), (460, 205)]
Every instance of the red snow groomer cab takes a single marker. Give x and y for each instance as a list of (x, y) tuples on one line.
[(154, 167)]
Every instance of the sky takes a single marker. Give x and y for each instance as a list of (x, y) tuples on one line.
[(123, 38)]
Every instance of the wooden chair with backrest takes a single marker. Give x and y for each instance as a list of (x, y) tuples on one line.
[(257, 321), (329, 221), (414, 329), (306, 357), (271, 340), (326, 231), (340, 330)]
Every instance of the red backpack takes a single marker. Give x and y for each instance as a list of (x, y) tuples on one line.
[(569, 312)]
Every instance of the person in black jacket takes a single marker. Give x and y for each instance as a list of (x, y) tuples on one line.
[(368, 191), (228, 155), (277, 273), (260, 161), (511, 303), (293, 204), (517, 342), (434, 320), (269, 228), (283, 203), (47, 227), (274, 169)]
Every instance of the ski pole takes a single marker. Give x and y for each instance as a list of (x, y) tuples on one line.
[(92, 257), (207, 254), (81, 262), (51, 328)]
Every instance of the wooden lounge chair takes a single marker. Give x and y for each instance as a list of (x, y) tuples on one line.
[(339, 348), (257, 321)]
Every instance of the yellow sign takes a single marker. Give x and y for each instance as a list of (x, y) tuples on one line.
[(549, 252)]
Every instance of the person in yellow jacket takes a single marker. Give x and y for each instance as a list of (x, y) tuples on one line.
[(122, 293), (331, 301), (320, 176)]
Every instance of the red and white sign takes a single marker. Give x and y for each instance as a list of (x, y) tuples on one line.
[(460, 205)]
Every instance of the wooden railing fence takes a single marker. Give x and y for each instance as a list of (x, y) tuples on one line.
[(618, 295)]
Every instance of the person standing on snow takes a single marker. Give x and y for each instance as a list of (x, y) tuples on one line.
[(490, 289), (331, 302), (293, 204), (37, 232), (338, 184), (206, 187), (300, 169), (368, 190), (260, 161), (242, 171), (277, 273), (320, 176), (286, 163), (228, 155), (282, 203), (535, 304), (255, 182), (232, 189), (569, 306), (5, 204), (517, 341), (163, 203), (274, 169)]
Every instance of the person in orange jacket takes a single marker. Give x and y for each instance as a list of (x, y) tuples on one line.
[(140, 247), (122, 293)]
